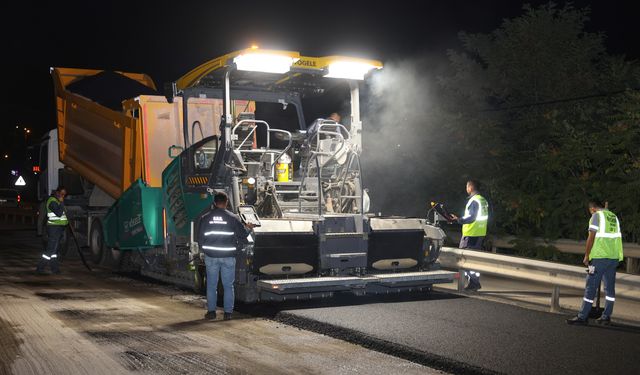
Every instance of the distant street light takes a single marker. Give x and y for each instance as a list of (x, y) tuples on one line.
[(6, 156)]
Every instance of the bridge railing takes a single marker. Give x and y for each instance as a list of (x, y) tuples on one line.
[(553, 274)]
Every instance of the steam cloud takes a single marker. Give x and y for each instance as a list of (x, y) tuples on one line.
[(401, 138)]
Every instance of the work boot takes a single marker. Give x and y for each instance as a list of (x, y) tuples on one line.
[(577, 321), (604, 321), (473, 286), (210, 315), (227, 316)]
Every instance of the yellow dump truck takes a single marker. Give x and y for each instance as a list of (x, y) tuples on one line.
[(141, 167)]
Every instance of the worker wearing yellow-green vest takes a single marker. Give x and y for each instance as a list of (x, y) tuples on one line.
[(474, 227), (602, 256), (56, 223)]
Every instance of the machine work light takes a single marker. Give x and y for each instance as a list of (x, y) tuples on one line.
[(260, 61), (349, 69)]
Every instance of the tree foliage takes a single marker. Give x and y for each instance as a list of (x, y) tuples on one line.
[(540, 112)]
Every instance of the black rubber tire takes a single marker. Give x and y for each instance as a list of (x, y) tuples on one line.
[(112, 258), (96, 242)]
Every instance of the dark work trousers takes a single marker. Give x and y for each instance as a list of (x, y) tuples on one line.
[(604, 269), (50, 255), (474, 243)]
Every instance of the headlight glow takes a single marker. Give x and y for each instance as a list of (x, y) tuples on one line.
[(264, 62), (349, 69)]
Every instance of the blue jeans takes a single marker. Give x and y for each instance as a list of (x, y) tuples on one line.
[(605, 268), (226, 268)]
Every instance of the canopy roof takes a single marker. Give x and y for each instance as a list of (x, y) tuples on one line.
[(306, 74)]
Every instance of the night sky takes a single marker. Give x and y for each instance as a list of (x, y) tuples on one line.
[(167, 39)]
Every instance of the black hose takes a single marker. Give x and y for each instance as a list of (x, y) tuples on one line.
[(75, 239)]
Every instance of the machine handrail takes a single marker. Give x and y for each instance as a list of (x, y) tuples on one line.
[(269, 131), (233, 131), (353, 156), (338, 135), (336, 124), (319, 188), (287, 133)]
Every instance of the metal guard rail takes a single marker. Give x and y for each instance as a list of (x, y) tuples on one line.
[(554, 274), (631, 250)]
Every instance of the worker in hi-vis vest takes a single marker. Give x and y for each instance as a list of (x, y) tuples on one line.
[(602, 256), (474, 227), (56, 223)]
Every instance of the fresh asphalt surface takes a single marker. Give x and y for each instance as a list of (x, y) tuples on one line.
[(459, 334)]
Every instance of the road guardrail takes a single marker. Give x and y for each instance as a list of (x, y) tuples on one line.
[(553, 274), (18, 215), (631, 250)]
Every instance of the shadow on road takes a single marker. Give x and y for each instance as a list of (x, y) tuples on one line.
[(619, 327), (270, 309)]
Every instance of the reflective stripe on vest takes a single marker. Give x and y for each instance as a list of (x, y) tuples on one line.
[(608, 241), (477, 228), (52, 218)]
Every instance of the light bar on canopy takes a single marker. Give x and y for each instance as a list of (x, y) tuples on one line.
[(349, 69), (262, 61)]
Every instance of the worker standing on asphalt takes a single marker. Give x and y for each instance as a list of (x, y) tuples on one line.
[(602, 256), (474, 226), (56, 223), (220, 232)]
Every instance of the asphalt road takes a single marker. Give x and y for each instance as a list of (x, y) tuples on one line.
[(98, 322), (476, 336), (82, 322)]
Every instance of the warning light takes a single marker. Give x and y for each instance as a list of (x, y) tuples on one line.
[(36, 168)]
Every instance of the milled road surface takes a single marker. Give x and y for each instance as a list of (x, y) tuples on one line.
[(100, 323), (476, 336)]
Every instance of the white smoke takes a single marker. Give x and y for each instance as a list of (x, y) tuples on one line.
[(400, 136)]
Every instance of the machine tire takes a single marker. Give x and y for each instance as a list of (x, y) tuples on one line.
[(200, 280), (112, 258), (96, 242), (434, 252)]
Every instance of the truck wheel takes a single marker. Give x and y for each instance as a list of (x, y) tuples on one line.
[(96, 241), (200, 280), (112, 258)]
